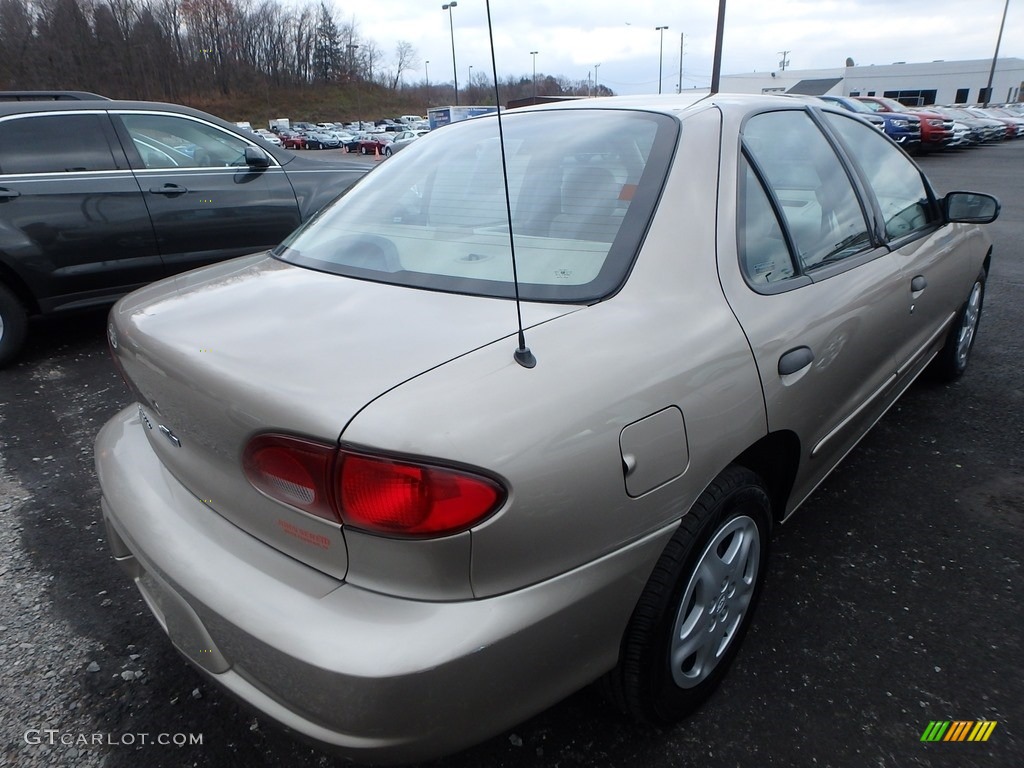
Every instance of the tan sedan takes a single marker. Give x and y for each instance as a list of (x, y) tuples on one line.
[(354, 498)]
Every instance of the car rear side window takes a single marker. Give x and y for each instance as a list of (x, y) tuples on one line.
[(764, 254), (54, 144), (582, 187), (816, 197), (896, 181)]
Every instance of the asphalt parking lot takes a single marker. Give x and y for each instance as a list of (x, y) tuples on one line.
[(893, 598)]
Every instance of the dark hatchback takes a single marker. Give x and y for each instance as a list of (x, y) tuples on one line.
[(99, 197)]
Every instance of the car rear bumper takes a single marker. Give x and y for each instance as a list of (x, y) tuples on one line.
[(373, 677)]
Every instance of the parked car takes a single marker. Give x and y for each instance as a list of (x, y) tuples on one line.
[(374, 143), (903, 128), (411, 532), (402, 140), (320, 139), (936, 130), (268, 136), (979, 131), (352, 144), (291, 140), (1012, 124), (99, 197)]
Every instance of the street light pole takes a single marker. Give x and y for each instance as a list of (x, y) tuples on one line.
[(716, 64), (426, 66), (661, 52), (597, 88), (451, 24), (995, 56), (682, 39), (534, 54)]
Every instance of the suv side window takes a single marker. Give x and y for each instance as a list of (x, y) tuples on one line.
[(901, 192), (816, 197), (54, 144), (166, 141)]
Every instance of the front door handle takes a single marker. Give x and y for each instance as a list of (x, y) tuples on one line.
[(168, 189), (794, 360), (918, 284), (8, 194)]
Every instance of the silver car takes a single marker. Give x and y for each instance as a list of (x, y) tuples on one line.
[(358, 498)]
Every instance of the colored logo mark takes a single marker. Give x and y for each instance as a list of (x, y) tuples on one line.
[(958, 730)]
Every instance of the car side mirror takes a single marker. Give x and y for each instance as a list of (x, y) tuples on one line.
[(971, 207), (256, 158)]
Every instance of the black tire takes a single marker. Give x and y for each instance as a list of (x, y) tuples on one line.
[(387, 151), (363, 150), (726, 533), (950, 364), (13, 325)]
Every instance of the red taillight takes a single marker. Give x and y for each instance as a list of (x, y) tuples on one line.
[(292, 470), (387, 496), (412, 499)]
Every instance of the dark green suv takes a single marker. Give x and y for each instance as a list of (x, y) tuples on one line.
[(99, 197)]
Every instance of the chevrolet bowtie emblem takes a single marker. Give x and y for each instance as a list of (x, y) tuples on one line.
[(170, 435)]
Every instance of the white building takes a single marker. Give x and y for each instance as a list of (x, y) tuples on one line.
[(936, 82)]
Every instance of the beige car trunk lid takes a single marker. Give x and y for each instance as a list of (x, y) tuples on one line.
[(254, 345)]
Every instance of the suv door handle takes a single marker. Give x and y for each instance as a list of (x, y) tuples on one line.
[(794, 360), (918, 284), (7, 194), (168, 189)]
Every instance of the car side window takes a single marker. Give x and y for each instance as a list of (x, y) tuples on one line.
[(764, 255), (54, 144), (166, 141), (896, 181), (817, 199)]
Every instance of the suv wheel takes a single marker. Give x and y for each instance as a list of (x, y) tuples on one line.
[(13, 325)]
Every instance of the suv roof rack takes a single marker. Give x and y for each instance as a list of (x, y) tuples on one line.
[(51, 96)]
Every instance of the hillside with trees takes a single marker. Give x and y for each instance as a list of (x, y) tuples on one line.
[(241, 59)]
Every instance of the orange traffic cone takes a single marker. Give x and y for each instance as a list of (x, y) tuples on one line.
[(376, 152)]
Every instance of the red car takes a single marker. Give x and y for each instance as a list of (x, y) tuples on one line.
[(292, 141), (374, 144), (936, 129)]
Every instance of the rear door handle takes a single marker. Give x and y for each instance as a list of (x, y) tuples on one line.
[(8, 194), (794, 360), (918, 284), (168, 189)]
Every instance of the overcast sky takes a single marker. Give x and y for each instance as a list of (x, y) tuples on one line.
[(572, 36)]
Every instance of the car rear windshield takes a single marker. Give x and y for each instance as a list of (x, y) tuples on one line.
[(582, 186)]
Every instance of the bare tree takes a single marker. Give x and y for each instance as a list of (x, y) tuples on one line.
[(405, 59)]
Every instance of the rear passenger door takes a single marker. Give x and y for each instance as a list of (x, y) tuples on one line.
[(817, 296), (205, 202), (73, 225)]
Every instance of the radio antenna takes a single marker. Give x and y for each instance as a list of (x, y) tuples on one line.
[(522, 355)]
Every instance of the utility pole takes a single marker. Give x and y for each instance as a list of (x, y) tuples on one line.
[(716, 65), (992, 72), (661, 53), (682, 37), (784, 62), (597, 88), (534, 54)]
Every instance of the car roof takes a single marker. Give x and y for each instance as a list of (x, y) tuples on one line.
[(675, 104), (8, 108)]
